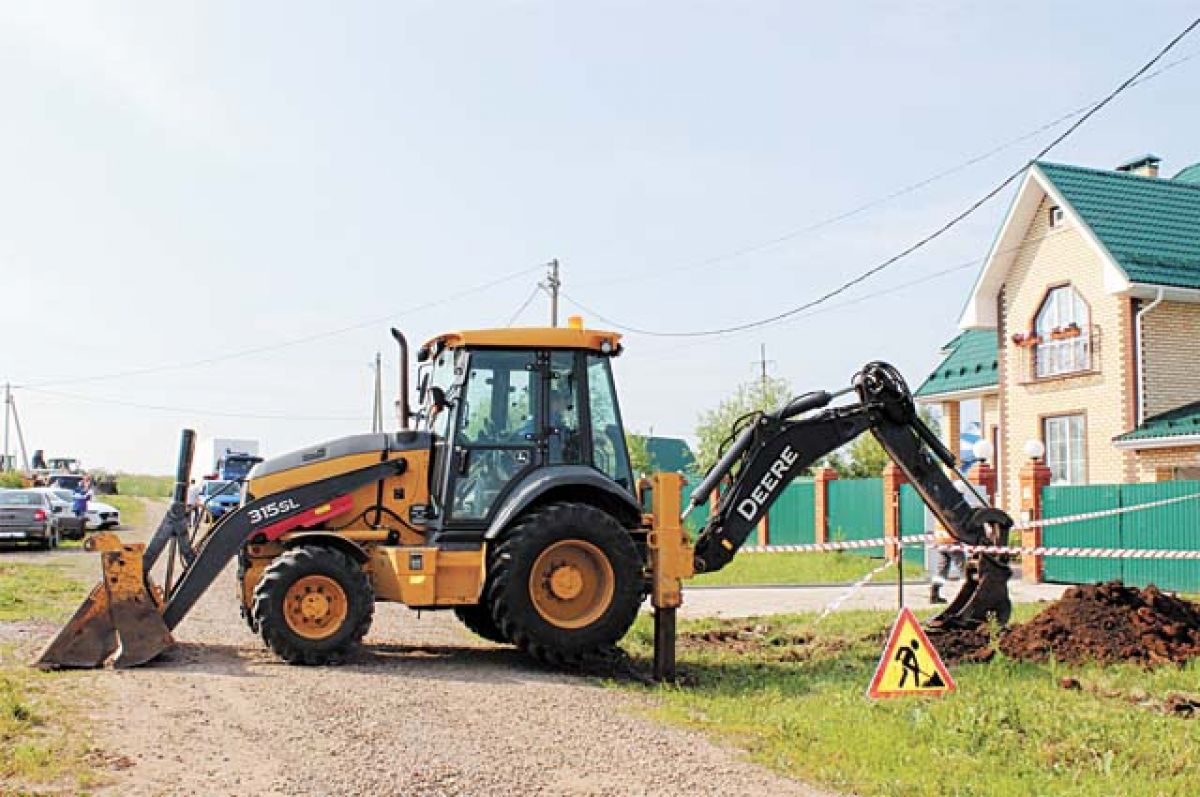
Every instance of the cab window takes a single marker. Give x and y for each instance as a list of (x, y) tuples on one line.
[(608, 439), (562, 404)]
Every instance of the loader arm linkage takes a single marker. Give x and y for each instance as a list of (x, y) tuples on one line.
[(774, 448), (129, 616)]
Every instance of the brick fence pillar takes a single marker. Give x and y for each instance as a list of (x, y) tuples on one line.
[(1034, 476), (821, 479), (983, 475), (893, 478)]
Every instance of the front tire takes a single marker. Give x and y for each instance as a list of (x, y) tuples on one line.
[(312, 605), (479, 621), (565, 582)]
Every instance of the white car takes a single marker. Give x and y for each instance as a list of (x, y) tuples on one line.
[(99, 514)]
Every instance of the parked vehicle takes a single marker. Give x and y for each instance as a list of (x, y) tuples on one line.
[(28, 516), (217, 497), (99, 514)]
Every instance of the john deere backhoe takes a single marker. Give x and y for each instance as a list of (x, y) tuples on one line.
[(511, 503)]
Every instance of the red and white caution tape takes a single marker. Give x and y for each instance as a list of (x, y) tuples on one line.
[(1121, 510), (837, 602), (1110, 553)]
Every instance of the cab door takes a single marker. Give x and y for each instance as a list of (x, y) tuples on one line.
[(497, 432)]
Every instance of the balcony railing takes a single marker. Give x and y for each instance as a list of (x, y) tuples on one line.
[(1071, 352)]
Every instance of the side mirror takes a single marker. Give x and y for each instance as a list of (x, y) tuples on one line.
[(422, 386), (437, 398)]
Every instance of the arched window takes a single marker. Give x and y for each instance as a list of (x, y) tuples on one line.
[(1064, 332)]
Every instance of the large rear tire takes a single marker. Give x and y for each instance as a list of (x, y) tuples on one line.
[(478, 620), (565, 582), (312, 605)]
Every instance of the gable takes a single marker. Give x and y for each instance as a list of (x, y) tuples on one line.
[(1145, 232)]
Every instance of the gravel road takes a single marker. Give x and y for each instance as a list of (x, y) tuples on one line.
[(425, 709)]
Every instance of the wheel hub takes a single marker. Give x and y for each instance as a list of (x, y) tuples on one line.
[(566, 582), (572, 584), (315, 606)]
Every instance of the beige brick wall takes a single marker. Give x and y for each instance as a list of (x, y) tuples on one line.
[(1104, 397), (1164, 463), (1170, 340)]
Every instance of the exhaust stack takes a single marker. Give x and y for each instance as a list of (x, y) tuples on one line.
[(402, 408)]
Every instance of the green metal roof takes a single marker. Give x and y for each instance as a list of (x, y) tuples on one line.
[(970, 365), (1191, 174), (1180, 421), (1151, 226), (670, 454)]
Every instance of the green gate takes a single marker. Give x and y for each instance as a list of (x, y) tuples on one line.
[(856, 512), (1172, 527), (791, 519), (912, 523), (1098, 533)]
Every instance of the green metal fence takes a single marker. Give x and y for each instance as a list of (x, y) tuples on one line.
[(856, 512), (792, 518), (912, 523), (1172, 527)]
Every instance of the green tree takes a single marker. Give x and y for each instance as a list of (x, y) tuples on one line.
[(640, 458), (716, 424), (864, 458)]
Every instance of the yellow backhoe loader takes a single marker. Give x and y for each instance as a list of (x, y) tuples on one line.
[(512, 503)]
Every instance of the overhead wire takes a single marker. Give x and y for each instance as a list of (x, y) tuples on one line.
[(532, 295), (280, 345), (717, 259), (189, 410), (920, 243)]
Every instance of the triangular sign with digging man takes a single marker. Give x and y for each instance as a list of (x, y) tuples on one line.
[(909, 665)]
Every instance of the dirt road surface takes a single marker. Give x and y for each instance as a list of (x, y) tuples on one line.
[(425, 709)]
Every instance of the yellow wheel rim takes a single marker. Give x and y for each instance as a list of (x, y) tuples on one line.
[(315, 607), (571, 584)]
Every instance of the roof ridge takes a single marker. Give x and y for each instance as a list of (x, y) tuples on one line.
[(1163, 181)]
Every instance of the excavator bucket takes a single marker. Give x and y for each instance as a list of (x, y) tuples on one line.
[(983, 597), (120, 620)]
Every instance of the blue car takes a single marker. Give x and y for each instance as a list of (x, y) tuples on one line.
[(218, 497)]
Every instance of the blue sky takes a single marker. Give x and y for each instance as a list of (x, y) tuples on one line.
[(186, 181)]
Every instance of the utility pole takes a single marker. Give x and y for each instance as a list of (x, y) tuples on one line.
[(377, 407), (551, 285), (762, 362), (7, 412)]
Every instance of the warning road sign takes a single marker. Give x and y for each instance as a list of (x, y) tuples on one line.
[(909, 665)]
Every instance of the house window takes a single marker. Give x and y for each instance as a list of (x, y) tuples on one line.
[(1064, 334), (1066, 455), (1056, 216)]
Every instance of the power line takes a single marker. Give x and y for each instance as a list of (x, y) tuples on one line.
[(926, 240), (828, 308), (283, 344), (188, 410), (532, 295), (896, 194)]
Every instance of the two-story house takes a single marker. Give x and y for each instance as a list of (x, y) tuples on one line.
[(1082, 331)]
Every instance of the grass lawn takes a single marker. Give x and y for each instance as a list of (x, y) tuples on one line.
[(38, 592), (42, 748), (132, 509), (1010, 729), (144, 486), (799, 568)]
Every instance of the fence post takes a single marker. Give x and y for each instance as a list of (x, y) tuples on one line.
[(893, 478), (821, 479), (1034, 477), (983, 475)]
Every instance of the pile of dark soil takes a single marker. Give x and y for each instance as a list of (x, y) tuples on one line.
[(1109, 623), (962, 646)]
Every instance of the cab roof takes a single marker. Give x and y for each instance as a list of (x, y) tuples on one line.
[(529, 338)]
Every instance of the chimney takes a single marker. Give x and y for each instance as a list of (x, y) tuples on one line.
[(1145, 166)]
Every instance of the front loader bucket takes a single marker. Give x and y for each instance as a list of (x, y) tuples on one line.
[(120, 616), (984, 595)]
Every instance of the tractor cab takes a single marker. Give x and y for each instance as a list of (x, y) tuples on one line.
[(510, 407)]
